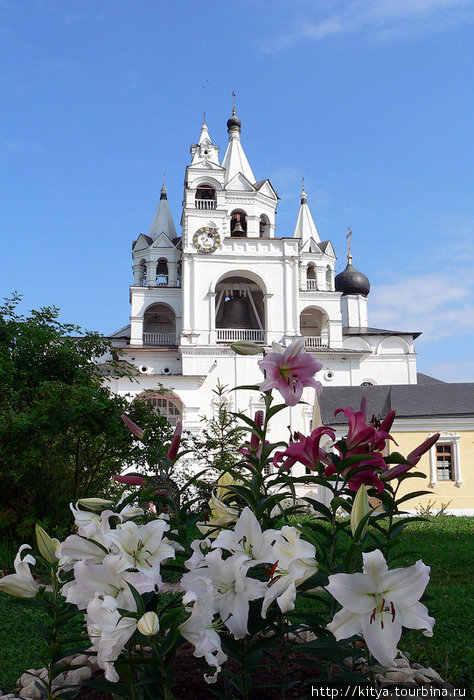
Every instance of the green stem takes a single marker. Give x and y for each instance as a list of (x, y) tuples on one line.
[(165, 687), (390, 522), (54, 629)]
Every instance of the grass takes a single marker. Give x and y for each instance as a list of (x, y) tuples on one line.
[(444, 543)]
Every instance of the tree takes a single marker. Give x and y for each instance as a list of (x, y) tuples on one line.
[(61, 435)]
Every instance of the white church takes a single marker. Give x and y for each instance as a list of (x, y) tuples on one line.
[(228, 277)]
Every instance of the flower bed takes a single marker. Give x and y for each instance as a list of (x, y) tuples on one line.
[(243, 576)]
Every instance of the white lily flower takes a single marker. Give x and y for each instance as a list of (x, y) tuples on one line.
[(197, 556), (143, 546), (21, 584), (108, 632), (109, 578), (248, 539), (200, 629), (78, 548), (233, 589), (294, 562), (377, 602)]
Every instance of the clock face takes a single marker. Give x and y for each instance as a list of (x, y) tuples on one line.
[(206, 239)]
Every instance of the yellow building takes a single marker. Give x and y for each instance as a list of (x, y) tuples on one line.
[(422, 409)]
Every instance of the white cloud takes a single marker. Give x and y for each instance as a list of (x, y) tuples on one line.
[(438, 302), (382, 20)]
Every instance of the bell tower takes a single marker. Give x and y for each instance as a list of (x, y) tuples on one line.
[(226, 214)]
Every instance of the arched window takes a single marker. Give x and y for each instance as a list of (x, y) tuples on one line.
[(169, 407), (311, 279), (238, 224), (314, 328), (264, 226), (162, 273), (240, 310), (206, 197), (159, 326)]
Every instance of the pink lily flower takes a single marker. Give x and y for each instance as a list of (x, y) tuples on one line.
[(414, 457), (133, 427), (359, 432), (306, 450), (290, 370), (175, 442), (382, 434), (366, 476)]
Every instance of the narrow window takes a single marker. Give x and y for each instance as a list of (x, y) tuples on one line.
[(444, 462)]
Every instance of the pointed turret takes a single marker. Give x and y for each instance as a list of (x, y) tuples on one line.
[(162, 220), (235, 161), (305, 227), (204, 150)]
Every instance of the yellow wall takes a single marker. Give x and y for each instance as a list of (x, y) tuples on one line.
[(444, 492)]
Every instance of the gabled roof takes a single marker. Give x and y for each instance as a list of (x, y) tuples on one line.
[(142, 242), (266, 188), (240, 183), (368, 330), (408, 400), (326, 247), (162, 221), (163, 241)]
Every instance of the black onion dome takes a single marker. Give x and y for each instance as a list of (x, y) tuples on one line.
[(351, 281), (234, 122)]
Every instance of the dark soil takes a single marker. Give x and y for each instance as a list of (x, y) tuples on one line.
[(192, 686)]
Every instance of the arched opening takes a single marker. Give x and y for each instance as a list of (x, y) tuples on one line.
[(238, 224), (168, 406), (142, 273), (311, 279), (179, 272), (328, 279), (162, 274), (240, 310), (206, 197), (314, 327), (264, 226), (159, 325)]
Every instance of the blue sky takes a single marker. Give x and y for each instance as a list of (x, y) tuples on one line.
[(370, 100)]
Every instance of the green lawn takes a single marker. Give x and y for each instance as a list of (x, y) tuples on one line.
[(445, 544)]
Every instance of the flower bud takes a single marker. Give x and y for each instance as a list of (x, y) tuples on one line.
[(246, 347), (46, 545), (133, 427), (149, 624), (95, 504), (360, 508), (130, 480), (175, 442)]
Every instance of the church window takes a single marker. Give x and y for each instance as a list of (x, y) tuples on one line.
[(311, 281), (167, 407), (445, 459), (238, 224), (444, 462), (162, 273), (264, 226), (206, 197), (159, 326)]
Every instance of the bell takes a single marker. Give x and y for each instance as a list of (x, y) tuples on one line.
[(238, 231), (236, 313)]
